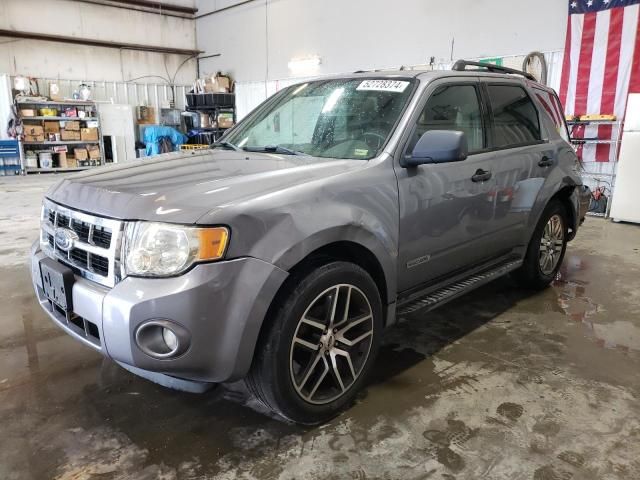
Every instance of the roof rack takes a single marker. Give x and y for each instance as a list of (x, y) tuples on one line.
[(461, 66)]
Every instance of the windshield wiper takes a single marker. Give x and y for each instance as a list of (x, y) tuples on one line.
[(226, 145), (274, 149)]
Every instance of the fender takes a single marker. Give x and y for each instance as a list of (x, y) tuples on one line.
[(549, 191), (380, 246)]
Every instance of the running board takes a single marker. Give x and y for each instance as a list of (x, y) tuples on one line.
[(434, 299)]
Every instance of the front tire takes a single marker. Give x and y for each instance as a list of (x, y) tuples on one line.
[(323, 337), (546, 249)]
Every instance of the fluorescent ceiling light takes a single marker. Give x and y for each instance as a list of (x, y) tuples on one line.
[(304, 64)]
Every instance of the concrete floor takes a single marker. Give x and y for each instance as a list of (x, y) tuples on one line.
[(502, 384)]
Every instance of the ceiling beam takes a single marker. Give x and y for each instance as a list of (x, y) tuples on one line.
[(97, 43), (146, 6), (224, 9)]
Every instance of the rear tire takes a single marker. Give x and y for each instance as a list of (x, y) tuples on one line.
[(322, 338), (546, 249)]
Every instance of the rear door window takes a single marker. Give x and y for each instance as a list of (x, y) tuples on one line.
[(515, 118)]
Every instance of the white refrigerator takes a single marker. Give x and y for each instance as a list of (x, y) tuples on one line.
[(625, 204)]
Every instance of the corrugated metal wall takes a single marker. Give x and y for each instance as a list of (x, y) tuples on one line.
[(147, 94)]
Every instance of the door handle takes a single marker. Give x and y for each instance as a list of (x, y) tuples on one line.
[(481, 175), (545, 162)]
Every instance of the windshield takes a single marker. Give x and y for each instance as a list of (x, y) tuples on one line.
[(346, 118)]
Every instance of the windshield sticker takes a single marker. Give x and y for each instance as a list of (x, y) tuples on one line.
[(361, 152), (397, 86)]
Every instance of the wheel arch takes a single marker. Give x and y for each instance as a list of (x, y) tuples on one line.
[(347, 251), (340, 250), (374, 252), (567, 198)]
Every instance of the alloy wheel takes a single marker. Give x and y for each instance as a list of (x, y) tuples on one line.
[(551, 244), (331, 344)]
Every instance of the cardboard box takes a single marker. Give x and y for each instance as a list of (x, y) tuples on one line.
[(225, 120), (71, 125), (69, 135), (80, 154), (34, 138), (28, 112), (71, 161), (217, 84), (89, 134), (51, 127), (224, 83), (146, 115), (33, 130), (94, 152), (62, 160)]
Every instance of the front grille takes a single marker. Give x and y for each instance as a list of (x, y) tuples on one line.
[(87, 232), (102, 237), (79, 256), (79, 325), (95, 251), (99, 264)]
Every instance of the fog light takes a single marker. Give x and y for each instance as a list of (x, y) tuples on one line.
[(170, 339), (162, 339)]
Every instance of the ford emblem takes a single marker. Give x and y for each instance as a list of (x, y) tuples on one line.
[(65, 239)]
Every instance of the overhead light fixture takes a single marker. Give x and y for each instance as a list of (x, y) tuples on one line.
[(307, 64)]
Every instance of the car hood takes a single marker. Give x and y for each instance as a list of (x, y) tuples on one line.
[(182, 187)]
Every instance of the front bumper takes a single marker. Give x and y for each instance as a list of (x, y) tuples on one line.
[(222, 305)]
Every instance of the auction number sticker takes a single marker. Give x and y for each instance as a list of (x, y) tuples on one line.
[(397, 86)]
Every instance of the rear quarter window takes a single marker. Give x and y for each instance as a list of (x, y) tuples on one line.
[(515, 118), (552, 108)]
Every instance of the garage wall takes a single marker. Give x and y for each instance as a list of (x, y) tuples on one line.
[(86, 20), (257, 39)]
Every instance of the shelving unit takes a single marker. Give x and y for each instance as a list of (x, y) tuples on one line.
[(62, 142), (600, 178), (46, 117), (55, 169), (212, 104), (90, 115)]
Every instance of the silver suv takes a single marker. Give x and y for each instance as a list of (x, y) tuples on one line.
[(332, 211)]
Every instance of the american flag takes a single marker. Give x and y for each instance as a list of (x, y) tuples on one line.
[(601, 66)]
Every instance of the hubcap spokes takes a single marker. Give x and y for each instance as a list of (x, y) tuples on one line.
[(551, 244), (331, 344)]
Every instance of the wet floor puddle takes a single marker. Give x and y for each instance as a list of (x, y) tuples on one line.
[(574, 301)]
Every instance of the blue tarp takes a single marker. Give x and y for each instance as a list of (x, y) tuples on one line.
[(154, 133)]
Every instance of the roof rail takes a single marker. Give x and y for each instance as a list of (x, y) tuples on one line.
[(461, 66)]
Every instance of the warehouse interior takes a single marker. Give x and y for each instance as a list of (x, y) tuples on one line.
[(500, 383)]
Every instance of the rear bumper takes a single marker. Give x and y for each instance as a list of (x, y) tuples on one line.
[(222, 305), (580, 201), (584, 199)]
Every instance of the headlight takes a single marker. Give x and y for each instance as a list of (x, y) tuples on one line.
[(162, 249)]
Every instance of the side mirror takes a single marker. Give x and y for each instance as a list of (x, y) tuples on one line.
[(438, 146)]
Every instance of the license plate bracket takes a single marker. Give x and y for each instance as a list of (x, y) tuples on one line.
[(57, 283)]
